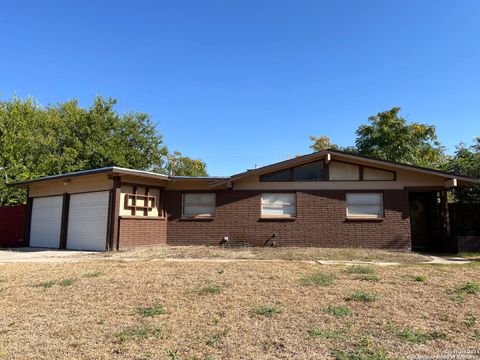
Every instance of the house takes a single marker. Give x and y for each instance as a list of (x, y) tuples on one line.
[(325, 199)]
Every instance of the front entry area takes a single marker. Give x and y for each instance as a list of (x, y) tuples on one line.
[(428, 220)]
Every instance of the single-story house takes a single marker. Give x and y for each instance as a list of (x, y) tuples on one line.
[(325, 199)]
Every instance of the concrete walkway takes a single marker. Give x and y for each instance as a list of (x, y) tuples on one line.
[(37, 255)]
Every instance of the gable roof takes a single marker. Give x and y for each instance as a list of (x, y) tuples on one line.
[(344, 155)]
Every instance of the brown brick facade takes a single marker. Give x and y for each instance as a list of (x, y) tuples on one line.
[(142, 232), (321, 221)]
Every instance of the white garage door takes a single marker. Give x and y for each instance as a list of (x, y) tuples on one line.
[(87, 221), (46, 222)]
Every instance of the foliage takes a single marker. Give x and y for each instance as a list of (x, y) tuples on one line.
[(359, 269), (40, 140), (466, 161), (389, 137), (267, 310), (420, 337), (362, 296), (180, 165), (151, 311)]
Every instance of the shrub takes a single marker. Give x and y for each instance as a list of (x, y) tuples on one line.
[(319, 279), (359, 269), (362, 296), (267, 310), (339, 311)]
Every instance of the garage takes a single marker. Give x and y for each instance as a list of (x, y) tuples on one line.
[(87, 221), (46, 222)]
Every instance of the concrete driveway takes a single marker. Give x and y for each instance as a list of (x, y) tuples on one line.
[(38, 255)]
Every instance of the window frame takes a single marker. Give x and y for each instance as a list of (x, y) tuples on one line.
[(379, 216), (281, 216), (206, 216), (291, 171)]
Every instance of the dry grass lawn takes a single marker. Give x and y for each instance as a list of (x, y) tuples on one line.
[(149, 308)]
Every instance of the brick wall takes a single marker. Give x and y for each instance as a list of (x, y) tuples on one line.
[(321, 221), (142, 232)]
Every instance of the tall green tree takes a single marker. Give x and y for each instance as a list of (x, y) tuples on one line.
[(466, 161), (390, 137), (179, 165), (38, 141)]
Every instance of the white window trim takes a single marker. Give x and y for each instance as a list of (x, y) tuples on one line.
[(214, 205), (282, 216), (365, 216)]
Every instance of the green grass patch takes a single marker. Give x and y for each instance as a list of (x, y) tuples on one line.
[(93, 274), (267, 310), (210, 290), (65, 282), (214, 339), (469, 319), (154, 310), (362, 353), (360, 269), (319, 279), (46, 284), (340, 311), (370, 277), (138, 333), (362, 296), (325, 334), (420, 278), (470, 287), (420, 337)]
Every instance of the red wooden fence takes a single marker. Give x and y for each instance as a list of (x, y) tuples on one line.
[(12, 225)]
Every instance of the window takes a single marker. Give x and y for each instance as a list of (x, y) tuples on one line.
[(198, 205), (308, 172), (364, 205), (283, 175), (279, 205)]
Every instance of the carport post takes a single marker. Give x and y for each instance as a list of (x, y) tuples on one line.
[(64, 226)]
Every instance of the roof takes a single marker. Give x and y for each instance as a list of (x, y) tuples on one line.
[(220, 180), (321, 154), (106, 170), (115, 170)]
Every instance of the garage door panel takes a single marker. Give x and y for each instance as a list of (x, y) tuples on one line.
[(46, 222), (87, 221)]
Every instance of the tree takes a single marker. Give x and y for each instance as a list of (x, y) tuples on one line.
[(179, 165), (390, 137), (38, 141), (323, 143), (466, 161)]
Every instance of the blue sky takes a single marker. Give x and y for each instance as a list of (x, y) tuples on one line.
[(239, 83)]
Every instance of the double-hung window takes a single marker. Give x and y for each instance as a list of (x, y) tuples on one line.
[(364, 205), (279, 205), (198, 205)]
